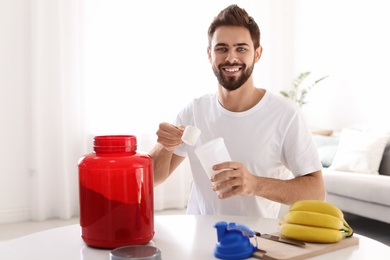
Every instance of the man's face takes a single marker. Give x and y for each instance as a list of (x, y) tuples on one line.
[(232, 56)]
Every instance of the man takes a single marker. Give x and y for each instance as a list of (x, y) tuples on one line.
[(265, 134)]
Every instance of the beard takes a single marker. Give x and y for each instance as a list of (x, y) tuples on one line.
[(232, 83)]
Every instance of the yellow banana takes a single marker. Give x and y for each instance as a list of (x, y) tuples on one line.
[(317, 206), (323, 207), (282, 221), (313, 219), (311, 234)]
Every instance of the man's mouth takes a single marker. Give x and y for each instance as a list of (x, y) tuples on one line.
[(231, 70)]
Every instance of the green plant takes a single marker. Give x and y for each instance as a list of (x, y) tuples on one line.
[(298, 92)]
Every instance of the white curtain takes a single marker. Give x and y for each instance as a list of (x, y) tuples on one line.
[(56, 129), (59, 133), (57, 110)]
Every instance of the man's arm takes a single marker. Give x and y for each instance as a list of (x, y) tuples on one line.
[(164, 160), (242, 182), (164, 163), (309, 186)]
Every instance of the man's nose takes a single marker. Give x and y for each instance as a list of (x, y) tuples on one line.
[(231, 57)]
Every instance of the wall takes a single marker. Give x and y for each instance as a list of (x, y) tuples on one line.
[(349, 41)]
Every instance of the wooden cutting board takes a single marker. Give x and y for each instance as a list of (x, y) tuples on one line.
[(281, 251)]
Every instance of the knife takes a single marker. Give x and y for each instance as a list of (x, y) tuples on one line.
[(281, 239)]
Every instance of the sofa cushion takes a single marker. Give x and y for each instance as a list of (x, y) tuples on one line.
[(360, 151), (327, 147), (365, 187), (384, 168)]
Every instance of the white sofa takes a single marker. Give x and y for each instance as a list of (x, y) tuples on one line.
[(365, 194)]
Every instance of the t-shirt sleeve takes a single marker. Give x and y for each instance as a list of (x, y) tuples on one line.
[(299, 153)]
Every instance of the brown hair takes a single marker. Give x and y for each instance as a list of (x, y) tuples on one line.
[(235, 16)]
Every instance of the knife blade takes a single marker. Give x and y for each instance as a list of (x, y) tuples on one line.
[(281, 239)]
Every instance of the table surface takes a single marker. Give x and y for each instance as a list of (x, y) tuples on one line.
[(177, 236)]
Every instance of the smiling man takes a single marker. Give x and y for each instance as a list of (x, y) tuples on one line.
[(230, 73), (274, 159)]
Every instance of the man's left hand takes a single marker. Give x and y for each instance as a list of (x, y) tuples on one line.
[(235, 178)]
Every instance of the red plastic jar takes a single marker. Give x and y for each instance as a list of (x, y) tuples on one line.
[(116, 193)]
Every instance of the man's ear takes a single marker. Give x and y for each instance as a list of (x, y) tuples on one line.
[(258, 53), (209, 53)]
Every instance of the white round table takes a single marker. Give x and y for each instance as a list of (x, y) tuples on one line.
[(177, 236)]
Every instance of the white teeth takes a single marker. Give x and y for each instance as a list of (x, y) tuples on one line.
[(231, 70)]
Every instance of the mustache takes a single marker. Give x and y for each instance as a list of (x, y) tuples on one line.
[(231, 64)]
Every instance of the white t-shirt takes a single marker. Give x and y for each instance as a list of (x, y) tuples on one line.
[(271, 140)]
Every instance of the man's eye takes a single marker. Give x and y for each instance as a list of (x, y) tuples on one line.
[(241, 49), (221, 49)]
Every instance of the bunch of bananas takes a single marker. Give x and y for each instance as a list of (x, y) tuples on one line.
[(314, 221)]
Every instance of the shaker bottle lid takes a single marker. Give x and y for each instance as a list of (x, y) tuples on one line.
[(233, 241), (140, 252), (190, 135)]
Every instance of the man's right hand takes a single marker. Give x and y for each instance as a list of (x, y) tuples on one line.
[(169, 136)]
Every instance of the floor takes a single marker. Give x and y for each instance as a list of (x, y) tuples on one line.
[(377, 230), (374, 229)]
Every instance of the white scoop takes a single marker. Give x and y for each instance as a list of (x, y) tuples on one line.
[(191, 135)]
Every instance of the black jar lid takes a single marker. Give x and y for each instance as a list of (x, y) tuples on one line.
[(141, 252)]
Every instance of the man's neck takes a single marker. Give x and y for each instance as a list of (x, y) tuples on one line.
[(241, 99)]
